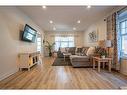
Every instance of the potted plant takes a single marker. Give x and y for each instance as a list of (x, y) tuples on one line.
[(102, 52), (49, 46), (103, 55)]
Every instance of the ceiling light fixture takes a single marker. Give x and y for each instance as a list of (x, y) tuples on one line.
[(44, 7), (74, 28), (54, 28), (78, 21), (88, 6), (51, 21)]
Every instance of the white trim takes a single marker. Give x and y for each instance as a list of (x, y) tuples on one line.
[(8, 74), (123, 72), (125, 58)]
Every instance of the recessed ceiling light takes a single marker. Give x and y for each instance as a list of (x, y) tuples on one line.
[(78, 21), (74, 28), (54, 28), (88, 6), (44, 7), (51, 21)]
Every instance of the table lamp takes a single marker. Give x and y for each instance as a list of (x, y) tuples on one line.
[(108, 45)]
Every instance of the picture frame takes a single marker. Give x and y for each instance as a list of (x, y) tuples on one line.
[(93, 36)]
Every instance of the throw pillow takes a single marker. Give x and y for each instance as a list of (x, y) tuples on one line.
[(62, 50), (78, 50), (84, 50), (67, 49), (72, 50), (90, 51)]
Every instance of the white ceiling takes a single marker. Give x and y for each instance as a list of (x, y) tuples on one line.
[(65, 17)]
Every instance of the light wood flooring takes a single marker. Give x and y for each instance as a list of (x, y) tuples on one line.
[(46, 76)]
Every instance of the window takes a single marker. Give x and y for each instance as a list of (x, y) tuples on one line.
[(39, 44), (123, 37), (64, 42)]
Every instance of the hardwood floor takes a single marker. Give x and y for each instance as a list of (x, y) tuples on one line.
[(45, 76)]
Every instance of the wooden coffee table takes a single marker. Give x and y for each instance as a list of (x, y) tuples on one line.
[(102, 61)]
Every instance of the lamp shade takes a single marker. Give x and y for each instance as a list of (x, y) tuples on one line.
[(108, 43), (105, 43)]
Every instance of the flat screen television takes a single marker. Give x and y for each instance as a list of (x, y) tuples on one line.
[(29, 34)]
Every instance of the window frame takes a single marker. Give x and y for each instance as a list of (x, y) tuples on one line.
[(68, 41), (122, 54), (40, 44)]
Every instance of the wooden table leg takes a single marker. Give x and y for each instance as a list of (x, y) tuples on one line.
[(64, 57), (109, 66), (98, 66), (103, 65), (93, 64)]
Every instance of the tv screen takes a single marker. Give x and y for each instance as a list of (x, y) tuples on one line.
[(29, 34)]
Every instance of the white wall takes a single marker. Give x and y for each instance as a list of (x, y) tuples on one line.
[(100, 27), (12, 22)]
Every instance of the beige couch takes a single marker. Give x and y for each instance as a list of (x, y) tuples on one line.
[(83, 60), (82, 57), (80, 61)]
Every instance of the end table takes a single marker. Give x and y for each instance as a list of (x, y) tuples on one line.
[(100, 61)]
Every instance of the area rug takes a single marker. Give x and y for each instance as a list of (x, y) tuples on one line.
[(61, 62)]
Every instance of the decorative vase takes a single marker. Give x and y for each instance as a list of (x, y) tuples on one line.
[(103, 56)]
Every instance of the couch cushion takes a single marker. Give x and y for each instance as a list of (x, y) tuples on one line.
[(79, 58)]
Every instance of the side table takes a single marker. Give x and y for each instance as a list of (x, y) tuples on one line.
[(66, 55), (100, 61)]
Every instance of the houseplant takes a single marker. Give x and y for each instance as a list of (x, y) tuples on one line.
[(49, 46), (102, 52)]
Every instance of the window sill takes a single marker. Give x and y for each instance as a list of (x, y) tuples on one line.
[(125, 58)]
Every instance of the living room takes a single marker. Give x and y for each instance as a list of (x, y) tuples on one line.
[(70, 32)]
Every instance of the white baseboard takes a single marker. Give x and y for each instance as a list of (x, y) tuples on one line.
[(123, 72), (8, 74)]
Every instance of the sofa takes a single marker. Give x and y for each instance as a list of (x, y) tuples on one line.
[(81, 57), (80, 61)]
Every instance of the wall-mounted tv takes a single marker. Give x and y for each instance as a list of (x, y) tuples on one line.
[(29, 34)]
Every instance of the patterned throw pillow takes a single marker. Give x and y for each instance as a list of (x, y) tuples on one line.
[(84, 50), (67, 49), (72, 50), (79, 50)]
